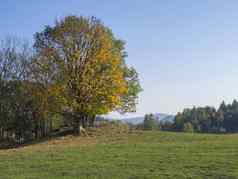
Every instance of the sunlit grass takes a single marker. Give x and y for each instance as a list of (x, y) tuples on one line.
[(126, 155)]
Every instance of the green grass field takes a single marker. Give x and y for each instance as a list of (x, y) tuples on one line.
[(145, 155)]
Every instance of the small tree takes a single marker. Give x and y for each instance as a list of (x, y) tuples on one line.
[(188, 127), (150, 122)]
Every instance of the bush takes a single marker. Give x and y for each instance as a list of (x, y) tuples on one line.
[(188, 127), (150, 122)]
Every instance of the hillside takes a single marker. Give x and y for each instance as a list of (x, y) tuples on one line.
[(161, 117), (114, 152)]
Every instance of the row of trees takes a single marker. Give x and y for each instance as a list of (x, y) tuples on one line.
[(208, 119), (75, 71), (198, 119)]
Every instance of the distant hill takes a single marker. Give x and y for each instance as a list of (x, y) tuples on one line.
[(165, 117), (161, 116), (134, 120)]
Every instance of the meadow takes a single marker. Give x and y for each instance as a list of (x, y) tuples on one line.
[(122, 154)]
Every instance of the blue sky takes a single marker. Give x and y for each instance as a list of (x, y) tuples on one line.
[(185, 51)]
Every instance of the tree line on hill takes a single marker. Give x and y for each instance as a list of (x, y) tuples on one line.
[(198, 119), (74, 71), (208, 119)]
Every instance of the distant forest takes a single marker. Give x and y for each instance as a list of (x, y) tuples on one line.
[(198, 119), (208, 119)]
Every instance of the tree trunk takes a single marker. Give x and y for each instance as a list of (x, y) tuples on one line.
[(37, 130), (84, 122), (77, 125), (51, 126), (91, 121), (1, 133)]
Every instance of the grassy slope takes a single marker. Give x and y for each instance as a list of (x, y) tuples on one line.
[(137, 155)]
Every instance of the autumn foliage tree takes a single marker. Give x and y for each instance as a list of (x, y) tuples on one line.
[(85, 63)]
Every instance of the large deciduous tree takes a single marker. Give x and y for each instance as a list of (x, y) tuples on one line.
[(83, 60)]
